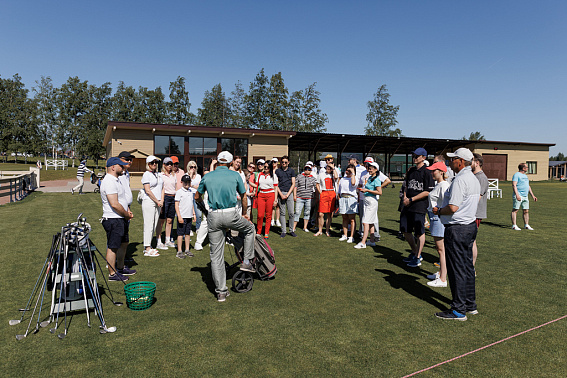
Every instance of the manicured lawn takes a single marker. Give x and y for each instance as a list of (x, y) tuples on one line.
[(50, 174), (331, 311)]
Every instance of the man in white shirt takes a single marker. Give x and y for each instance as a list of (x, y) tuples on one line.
[(115, 214), (124, 179)]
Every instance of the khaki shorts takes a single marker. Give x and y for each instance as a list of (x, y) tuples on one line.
[(524, 203)]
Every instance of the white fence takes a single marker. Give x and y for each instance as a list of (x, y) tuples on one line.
[(17, 184), (56, 164)]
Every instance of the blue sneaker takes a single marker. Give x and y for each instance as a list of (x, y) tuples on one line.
[(117, 277), (415, 262), (451, 315), (126, 271), (409, 258)]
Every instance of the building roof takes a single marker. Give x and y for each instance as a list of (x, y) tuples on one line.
[(553, 163)]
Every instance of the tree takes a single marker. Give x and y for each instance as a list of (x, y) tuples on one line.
[(314, 118), (214, 111), (18, 117), (73, 102), (381, 115), (152, 107), (45, 99), (124, 104), (558, 157), (474, 136), (256, 102), (95, 121), (277, 104), (237, 105), (179, 105), (296, 111)]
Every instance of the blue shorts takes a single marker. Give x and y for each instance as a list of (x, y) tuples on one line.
[(412, 222), (436, 228), (116, 232), (168, 209), (184, 228)]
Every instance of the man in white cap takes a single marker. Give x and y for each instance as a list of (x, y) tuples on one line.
[(221, 186), (458, 214)]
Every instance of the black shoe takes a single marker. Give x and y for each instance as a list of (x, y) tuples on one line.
[(282, 235), (127, 271), (293, 234), (451, 315)]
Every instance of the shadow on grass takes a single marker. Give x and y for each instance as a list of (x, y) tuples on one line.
[(492, 224), (409, 284), (206, 276), (131, 253), (395, 257)]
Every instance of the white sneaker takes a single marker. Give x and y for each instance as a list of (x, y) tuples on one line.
[(370, 244), (433, 277), (306, 230), (516, 228), (170, 244), (160, 245), (278, 223), (198, 247), (273, 223), (191, 233), (343, 238), (360, 245), (528, 227), (437, 283), (350, 240)]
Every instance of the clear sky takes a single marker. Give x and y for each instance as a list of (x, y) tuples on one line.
[(453, 67)]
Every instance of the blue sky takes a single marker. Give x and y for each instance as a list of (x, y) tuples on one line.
[(498, 67)]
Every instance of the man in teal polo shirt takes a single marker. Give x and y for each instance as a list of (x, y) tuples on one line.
[(222, 185), (521, 186)]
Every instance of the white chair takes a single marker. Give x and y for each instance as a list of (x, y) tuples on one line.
[(493, 189)]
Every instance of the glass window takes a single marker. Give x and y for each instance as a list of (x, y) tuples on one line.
[(532, 167), (195, 146), (209, 146), (161, 143), (176, 145), (227, 144), (241, 147)]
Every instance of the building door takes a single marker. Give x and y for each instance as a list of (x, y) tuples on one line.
[(495, 166)]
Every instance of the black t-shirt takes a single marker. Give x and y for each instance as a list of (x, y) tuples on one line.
[(284, 178), (419, 181)]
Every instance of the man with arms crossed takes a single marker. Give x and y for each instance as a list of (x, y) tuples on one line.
[(115, 214), (221, 186), (458, 214), (284, 190), (521, 186)]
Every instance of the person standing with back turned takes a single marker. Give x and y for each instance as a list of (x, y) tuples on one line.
[(221, 186), (458, 215)]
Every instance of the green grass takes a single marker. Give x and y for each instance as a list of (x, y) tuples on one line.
[(50, 174), (332, 310)]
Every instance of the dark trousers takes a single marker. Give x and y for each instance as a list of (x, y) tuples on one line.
[(459, 241)]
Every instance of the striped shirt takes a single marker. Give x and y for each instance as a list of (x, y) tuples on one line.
[(81, 170), (305, 185)]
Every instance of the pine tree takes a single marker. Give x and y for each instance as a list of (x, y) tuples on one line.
[(179, 105), (278, 103), (256, 102), (214, 111), (381, 115), (237, 105)]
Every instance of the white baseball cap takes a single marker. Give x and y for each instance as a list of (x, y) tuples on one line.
[(225, 157), (462, 153), (275, 160), (260, 161), (369, 159), (309, 163), (151, 158), (375, 165)]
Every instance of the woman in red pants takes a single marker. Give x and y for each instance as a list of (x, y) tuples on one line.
[(266, 183)]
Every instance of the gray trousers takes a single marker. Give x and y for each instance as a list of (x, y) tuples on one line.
[(218, 222), (361, 214), (286, 207)]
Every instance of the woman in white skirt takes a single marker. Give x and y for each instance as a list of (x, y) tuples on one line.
[(348, 202), (371, 188), (152, 203), (436, 228)]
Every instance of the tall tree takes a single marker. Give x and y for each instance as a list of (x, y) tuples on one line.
[(278, 103), (314, 118), (381, 115), (558, 157), (256, 102), (95, 121), (237, 105), (124, 104), (152, 107), (73, 102), (179, 105), (476, 135), (45, 99), (214, 111), (18, 117), (296, 111)]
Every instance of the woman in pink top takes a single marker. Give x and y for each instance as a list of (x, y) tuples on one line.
[(168, 210), (178, 172)]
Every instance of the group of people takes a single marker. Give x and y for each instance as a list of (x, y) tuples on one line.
[(454, 198)]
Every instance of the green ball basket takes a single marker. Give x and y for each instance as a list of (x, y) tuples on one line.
[(139, 295)]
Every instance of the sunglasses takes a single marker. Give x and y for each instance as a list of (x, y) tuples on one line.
[(168, 163), (175, 163), (192, 167), (127, 160), (153, 162), (308, 169)]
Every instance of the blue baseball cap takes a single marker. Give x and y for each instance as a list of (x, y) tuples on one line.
[(420, 151), (113, 161)]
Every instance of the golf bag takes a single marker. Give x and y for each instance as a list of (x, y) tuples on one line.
[(264, 260)]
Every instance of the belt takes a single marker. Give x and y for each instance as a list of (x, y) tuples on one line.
[(267, 190), (224, 210), (327, 190), (346, 195), (169, 195)]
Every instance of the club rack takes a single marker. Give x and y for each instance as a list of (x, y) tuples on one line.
[(69, 272)]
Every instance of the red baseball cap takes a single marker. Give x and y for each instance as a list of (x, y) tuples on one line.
[(439, 165), (174, 159)]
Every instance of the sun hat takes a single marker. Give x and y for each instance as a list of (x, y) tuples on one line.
[(462, 153), (113, 161), (225, 157), (438, 165), (151, 158), (420, 151), (329, 156)]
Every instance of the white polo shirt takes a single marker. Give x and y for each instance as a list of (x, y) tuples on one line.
[(155, 181), (112, 185), (185, 199), (464, 192), (125, 181)]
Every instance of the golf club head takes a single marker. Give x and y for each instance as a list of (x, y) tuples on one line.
[(61, 336), (53, 330), (23, 309), (14, 321), (36, 329), (117, 303), (44, 324), (19, 337), (108, 329)]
